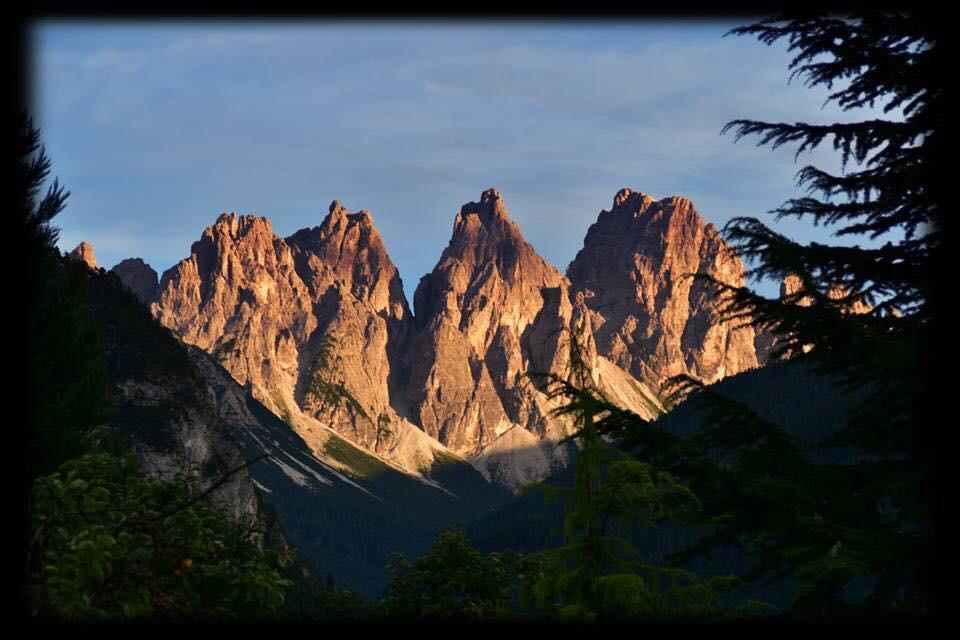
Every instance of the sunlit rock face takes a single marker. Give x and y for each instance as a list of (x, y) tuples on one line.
[(649, 318), (317, 327), (357, 299), (322, 309), (491, 311), (238, 296), (84, 253)]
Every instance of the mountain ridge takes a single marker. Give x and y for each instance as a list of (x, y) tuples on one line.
[(322, 313)]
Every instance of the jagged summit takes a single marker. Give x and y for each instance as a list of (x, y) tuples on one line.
[(291, 316), (490, 311), (630, 199), (486, 245), (654, 321), (347, 248), (84, 252), (491, 202), (236, 225), (139, 277), (490, 212), (325, 308)]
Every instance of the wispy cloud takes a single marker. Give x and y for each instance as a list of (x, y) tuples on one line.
[(158, 128)]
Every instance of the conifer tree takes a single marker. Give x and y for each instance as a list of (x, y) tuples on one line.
[(857, 538), (66, 373), (884, 504), (598, 574)]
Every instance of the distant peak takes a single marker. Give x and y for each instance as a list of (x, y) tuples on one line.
[(491, 207), (341, 216), (627, 197), (490, 195), (139, 277), (234, 226), (130, 262), (84, 252)]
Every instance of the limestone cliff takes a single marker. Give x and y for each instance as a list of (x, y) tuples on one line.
[(312, 324), (317, 327), (139, 277), (650, 317), (491, 311)]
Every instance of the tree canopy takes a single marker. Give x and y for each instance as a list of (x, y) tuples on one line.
[(859, 538), (854, 534)]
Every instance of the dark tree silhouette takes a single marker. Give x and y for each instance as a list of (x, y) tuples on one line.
[(855, 533), (873, 520), (67, 395)]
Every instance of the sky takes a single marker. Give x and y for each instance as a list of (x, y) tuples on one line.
[(156, 128)]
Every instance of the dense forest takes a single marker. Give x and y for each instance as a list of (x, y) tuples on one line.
[(806, 489)]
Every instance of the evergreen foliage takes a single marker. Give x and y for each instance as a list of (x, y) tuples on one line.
[(103, 542), (853, 533), (597, 573), (66, 376), (110, 544), (855, 536), (874, 520), (451, 582)]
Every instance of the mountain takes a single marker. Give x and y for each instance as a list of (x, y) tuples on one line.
[(491, 311), (139, 277), (161, 403), (359, 304), (316, 326), (346, 510), (312, 324), (84, 253), (650, 318), (768, 341)]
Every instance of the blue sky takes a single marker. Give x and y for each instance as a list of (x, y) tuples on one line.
[(157, 128)]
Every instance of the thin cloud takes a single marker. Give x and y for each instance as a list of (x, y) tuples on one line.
[(158, 129)]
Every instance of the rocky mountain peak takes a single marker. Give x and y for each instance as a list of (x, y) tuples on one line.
[(490, 194), (139, 277), (792, 290), (489, 214), (792, 285), (323, 310), (491, 311), (84, 252), (631, 201), (234, 226), (293, 319), (488, 249), (339, 220), (347, 249), (336, 217), (652, 320)]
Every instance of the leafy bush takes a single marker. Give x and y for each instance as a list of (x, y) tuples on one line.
[(452, 581), (110, 544)]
